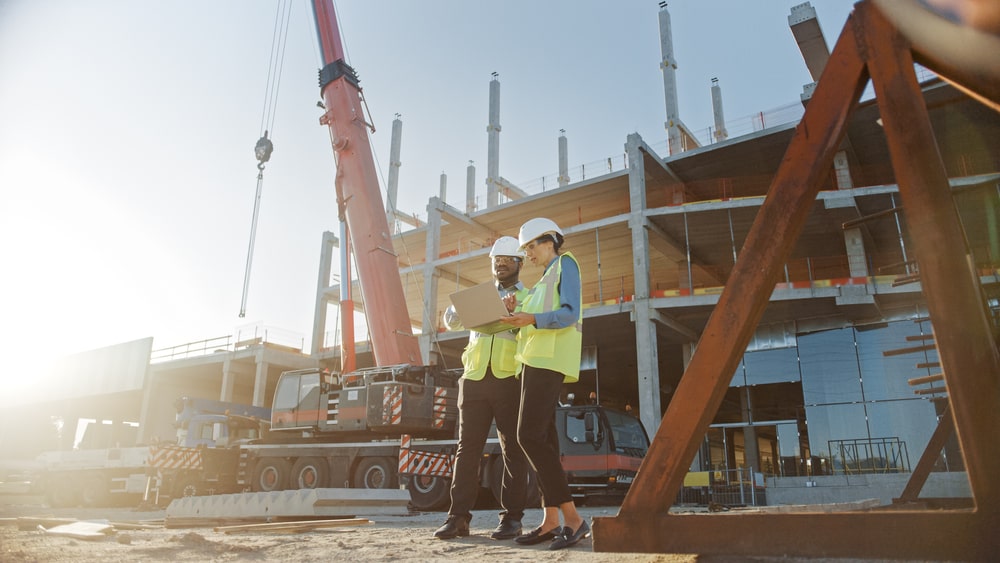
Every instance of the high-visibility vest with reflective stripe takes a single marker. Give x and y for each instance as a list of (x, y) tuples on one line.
[(492, 350), (555, 349)]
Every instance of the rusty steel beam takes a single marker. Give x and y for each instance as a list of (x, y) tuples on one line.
[(741, 304), (944, 430), (869, 45), (966, 349)]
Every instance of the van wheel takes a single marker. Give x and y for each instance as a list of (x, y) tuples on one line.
[(94, 491), (270, 474), (376, 473), (428, 492), (61, 491), (533, 499), (310, 473)]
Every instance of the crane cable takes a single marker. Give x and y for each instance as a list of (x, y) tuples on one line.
[(264, 147)]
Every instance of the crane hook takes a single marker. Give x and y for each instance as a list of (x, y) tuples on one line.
[(262, 150)]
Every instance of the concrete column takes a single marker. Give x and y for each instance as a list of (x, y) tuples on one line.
[(669, 67), (322, 285), (720, 117), (751, 454), (493, 146), (428, 330), (228, 379), (260, 381), (444, 187), (470, 188), (392, 183), (647, 363), (563, 159)]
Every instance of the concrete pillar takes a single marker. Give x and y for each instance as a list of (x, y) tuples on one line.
[(563, 159), (751, 453), (470, 188), (322, 285), (444, 187), (260, 380), (392, 183), (720, 117), (668, 64), (493, 146), (647, 363), (228, 379), (428, 330)]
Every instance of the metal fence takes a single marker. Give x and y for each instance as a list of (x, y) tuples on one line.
[(725, 488), (244, 337), (869, 455)]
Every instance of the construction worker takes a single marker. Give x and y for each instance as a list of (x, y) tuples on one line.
[(549, 346), (488, 390)]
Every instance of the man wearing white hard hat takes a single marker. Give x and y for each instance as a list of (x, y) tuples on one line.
[(488, 390), (549, 345)]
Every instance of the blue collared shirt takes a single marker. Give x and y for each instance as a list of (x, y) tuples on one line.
[(569, 298)]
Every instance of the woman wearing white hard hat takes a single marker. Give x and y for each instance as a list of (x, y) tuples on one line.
[(549, 345)]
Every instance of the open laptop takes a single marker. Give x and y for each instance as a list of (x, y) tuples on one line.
[(480, 308)]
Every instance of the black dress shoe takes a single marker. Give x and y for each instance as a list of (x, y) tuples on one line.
[(536, 536), (569, 537), (508, 528), (453, 527)]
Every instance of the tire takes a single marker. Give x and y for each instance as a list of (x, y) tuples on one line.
[(376, 473), (61, 491), (534, 496), (187, 487), (270, 474), (94, 491), (309, 473), (428, 492)]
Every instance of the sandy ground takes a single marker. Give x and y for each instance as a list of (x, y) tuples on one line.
[(407, 537)]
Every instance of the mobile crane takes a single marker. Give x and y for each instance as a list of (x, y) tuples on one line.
[(347, 429)]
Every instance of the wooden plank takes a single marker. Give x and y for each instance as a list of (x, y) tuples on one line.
[(910, 350), (297, 526), (926, 379)]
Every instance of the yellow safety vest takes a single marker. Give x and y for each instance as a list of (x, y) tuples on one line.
[(492, 350), (555, 349)]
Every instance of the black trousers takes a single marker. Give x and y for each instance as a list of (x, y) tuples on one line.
[(479, 404), (537, 433)]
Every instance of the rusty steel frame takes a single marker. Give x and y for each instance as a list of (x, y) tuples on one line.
[(870, 47)]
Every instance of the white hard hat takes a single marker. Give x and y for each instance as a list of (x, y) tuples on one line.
[(506, 246), (535, 228)]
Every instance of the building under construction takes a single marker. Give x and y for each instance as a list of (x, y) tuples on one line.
[(840, 381)]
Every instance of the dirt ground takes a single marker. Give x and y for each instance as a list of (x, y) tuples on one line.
[(406, 537)]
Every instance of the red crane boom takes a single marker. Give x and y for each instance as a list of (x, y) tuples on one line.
[(360, 202)]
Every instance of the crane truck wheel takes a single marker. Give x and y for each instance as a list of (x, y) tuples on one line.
[(187, 487), (270, 474), (428, 492), (310, 473), (376, 473)]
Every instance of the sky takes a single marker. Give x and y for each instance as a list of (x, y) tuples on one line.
[(127, 130)]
